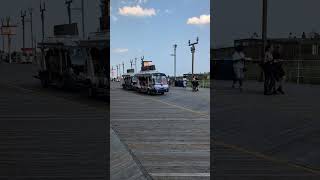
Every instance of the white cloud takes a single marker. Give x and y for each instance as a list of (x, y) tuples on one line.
[(203, 19), (136, 11), (120, 50)]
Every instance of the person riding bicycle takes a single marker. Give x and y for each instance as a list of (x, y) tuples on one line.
[(195, 84)]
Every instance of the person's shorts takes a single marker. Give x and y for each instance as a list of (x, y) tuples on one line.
[(238, 73)]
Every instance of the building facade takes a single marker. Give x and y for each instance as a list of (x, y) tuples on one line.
[(290, 48)]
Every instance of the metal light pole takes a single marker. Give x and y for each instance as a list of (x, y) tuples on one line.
[(117, 71), (3, 37), (31, 28), (175, 56), (42, 10), (131, 62), (111, 72), (82, 16), (82, 12), (68, 3), (9, 40), (142, 58), (264, 25), (135, 64), (112, 75), (123, 67), (23, 15), (264, 32), (193, 50)]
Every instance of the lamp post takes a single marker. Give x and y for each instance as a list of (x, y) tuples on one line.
[(193, 50), (23, 15), (175, 59), (135, 64), (264, 25), (42, 10), (264, 32), (122, 67), (131, 62), (68, 3)]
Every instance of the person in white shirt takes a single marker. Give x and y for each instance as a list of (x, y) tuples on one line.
[(184, 82), (239, 59)]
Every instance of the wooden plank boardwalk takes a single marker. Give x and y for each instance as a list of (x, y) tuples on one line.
[(122, 163), (266, 137), (45, 137), (55, 134), (169, 141)]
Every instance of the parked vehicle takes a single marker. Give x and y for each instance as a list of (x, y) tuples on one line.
[(127, 80), (74, 63)]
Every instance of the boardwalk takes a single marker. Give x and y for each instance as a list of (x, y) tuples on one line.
[(266, 137), (47, 135), (168, 135)]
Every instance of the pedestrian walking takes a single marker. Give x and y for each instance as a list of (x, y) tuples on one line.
[(239, 66), (184, 82), (268, 71)]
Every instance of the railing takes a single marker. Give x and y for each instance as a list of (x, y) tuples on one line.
[(298, 71), (204, 83)]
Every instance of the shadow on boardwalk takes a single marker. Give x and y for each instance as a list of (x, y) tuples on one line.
[(281, 129)]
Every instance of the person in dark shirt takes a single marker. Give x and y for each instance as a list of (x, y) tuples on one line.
[(278, 71)]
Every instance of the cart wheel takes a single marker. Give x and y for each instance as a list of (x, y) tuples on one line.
[(91, 92), (44, 83)]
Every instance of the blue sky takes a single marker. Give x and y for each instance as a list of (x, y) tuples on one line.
[(149, 28)]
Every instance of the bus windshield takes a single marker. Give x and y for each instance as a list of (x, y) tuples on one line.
[(159, 79)]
